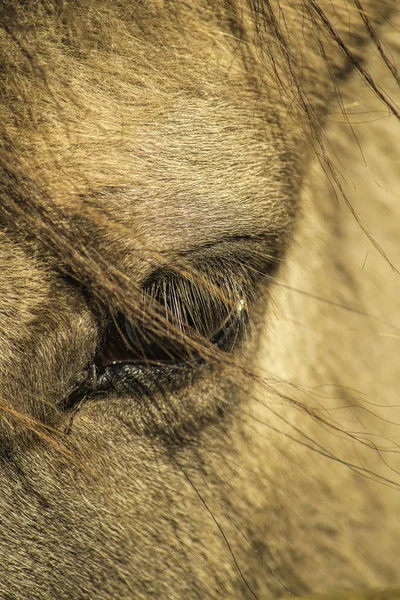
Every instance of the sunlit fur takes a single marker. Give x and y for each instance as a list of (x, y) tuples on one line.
[(248, 147)]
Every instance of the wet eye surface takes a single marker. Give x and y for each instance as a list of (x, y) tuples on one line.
[(162, 348)]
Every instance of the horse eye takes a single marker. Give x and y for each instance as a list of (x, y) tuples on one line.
[(126, 343), (138, 349)]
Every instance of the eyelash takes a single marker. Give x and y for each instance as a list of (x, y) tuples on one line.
[(133, 359)]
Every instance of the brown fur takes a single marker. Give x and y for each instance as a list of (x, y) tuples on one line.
[(216, 143)]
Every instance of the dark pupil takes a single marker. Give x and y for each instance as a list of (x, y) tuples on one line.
[(186, 308)]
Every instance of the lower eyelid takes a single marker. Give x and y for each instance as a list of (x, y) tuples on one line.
[(148, 380), (133, 380)]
